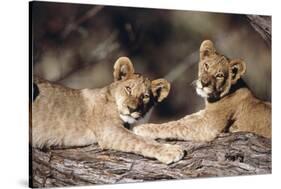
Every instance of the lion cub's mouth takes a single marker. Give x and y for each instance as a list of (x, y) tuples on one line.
[(204, 92), (136, 118), (131, 118)]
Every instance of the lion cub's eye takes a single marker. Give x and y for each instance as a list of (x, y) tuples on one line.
[(219, 76), (146, 98), (206, 66), (128, 90)]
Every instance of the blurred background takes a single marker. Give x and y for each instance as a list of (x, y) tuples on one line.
[(76, 45)]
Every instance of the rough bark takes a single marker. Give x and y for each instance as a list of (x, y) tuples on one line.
[(228, 155), (262, 24)]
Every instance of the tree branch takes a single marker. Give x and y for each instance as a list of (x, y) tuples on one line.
[(228, 155), (262, 24)]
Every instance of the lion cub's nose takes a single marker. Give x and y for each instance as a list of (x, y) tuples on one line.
[(205, 82), (131, 108)]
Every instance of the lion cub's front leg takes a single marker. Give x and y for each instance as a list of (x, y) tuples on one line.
[(193, 127), (124, 140)]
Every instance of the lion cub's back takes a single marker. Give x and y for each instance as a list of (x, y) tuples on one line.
[(254, 116), (59, 116)]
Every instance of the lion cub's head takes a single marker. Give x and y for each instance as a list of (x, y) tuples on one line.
[(135, 94), (217, 73)]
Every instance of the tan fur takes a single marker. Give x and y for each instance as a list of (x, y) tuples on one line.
[(67, 117), (230, 105)]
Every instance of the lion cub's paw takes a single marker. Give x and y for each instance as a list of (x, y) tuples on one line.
[(170, 153), (144, 131)]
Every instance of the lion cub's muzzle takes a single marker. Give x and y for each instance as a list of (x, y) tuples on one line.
[(204, 87), (134, 113)]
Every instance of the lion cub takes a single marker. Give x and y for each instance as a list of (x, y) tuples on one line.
[(68, 117), (230, 105)]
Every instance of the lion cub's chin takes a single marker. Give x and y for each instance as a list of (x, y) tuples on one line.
[(135, 119), (128, 119)]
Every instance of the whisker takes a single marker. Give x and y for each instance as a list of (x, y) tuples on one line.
[(193, 83)]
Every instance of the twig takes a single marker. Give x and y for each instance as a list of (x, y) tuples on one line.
[(262, 24), (74, 25), (98, 54), (181, 67)]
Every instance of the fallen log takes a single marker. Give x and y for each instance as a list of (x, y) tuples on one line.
[(228, 155)]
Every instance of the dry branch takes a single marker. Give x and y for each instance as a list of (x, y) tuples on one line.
[(228, 155), (262, 24), (75, 24)]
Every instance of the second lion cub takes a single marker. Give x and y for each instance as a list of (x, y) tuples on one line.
[(230, 105)]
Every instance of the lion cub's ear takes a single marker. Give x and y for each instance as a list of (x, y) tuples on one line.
[(206, 49), (123, 69), (160, 89), (238, 68)]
